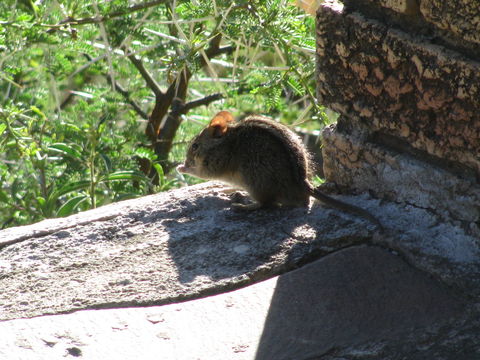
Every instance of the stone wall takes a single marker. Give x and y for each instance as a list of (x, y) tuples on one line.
[(405, 77)]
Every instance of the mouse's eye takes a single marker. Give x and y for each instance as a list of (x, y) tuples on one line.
[(194, 146)]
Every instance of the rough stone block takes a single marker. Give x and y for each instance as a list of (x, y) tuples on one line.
[(402, 6), (454, 24), (460, 17), (353, 162), (399, 85), (407, 7)]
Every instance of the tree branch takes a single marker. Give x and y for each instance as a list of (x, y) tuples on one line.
[(202, 101), (213, 48), (223, 50), (114, 14), (115, 85), (126, 95), (152, 84), (165, 117)]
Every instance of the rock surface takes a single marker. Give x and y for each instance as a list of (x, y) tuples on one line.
[(186, 244), (409, 125), (352, 162), (159, 249), (454, 24), (461, 18), (360, 296), (400, 85), (114, 282)]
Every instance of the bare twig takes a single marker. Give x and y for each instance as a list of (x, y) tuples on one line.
[(152, 84), (202, 101), (103, 33), (117, 87), (165, 117), (223, 50), (102, 18), (126, 95)]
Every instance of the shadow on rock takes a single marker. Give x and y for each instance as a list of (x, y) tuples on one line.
[(209, 239), (354, 302)]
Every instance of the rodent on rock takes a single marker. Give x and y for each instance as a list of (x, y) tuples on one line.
[(261, 156)]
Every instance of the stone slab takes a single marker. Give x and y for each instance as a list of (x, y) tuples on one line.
[(361, 297), (354, 297), (188, 243), (160, 249)]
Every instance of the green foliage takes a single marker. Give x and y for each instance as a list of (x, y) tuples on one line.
[(70, 140)]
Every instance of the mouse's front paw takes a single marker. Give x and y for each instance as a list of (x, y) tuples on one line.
[(239, 197), (246, 207)]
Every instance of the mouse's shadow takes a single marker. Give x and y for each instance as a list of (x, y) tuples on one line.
[(208, 238)]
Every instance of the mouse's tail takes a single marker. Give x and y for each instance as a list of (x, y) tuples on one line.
[(352, 209)]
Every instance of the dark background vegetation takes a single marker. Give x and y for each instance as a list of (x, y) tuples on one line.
[(99, 98)]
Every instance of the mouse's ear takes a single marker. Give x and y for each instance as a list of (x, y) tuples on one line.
[(219, 124)]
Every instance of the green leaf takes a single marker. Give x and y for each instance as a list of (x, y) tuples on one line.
[(71, 205), (69, 187), (125, 175), (167, 185), (37, 111), (160, 172), (3, 197), (72, 127), (106, 161), (126, 196), (146, 153), (24, 17), (295, 85), (65, 149), (41, 201), (2, 128)]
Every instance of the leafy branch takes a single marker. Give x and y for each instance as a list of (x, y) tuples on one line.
[(170, 105), (103, 18)]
